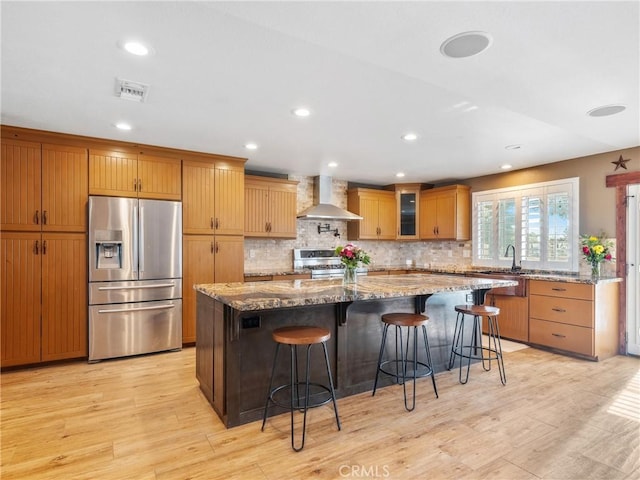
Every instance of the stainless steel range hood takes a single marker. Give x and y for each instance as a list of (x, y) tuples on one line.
[(322, 208)]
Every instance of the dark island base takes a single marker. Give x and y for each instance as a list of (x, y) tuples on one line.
[(234, 350)]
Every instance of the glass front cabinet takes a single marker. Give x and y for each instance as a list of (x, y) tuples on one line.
[(408, 204)]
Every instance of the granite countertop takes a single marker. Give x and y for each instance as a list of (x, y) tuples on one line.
[(295, 293), (567, 277)]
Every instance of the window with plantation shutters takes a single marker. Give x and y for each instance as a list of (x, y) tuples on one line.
[(539, 220)]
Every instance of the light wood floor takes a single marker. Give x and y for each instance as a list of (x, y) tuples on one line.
[(144, 418)]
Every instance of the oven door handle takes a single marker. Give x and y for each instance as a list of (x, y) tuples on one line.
[(136, 287), (136, 309)]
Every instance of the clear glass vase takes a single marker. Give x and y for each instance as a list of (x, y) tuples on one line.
[(350, 276), (595, 269)]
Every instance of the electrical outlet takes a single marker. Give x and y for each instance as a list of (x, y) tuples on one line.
[(252, 254)]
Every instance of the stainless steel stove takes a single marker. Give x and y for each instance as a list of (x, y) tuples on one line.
[(323, 262)]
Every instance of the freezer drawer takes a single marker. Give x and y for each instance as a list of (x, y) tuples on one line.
[(101, 293), (120, 330)]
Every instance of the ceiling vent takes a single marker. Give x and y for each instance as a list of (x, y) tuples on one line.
[(134, 91)]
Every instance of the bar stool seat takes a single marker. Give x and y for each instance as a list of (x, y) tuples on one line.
[(295, 336), (411, 321), (474, 349)]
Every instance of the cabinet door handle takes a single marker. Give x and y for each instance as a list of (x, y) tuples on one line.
[(211, 223), (135, 184), (139, 185), (558, 289), (556, 309), (44, 217), (266, 226), (217, 248), (217, 223), (44, 247), (212, 249), (559, 335), (36, 248), (36, 217)]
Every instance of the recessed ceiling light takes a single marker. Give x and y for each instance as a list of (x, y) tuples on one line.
[(409, 137), (606, 110), (301, 112), (513, 147), (123, 126), (506, 166), (333, 164), (399, 174), (465, 44), (251, 146)]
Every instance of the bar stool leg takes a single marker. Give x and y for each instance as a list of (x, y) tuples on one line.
[(384, 339), (473, 346), (333, 393), (428, 351), (494, 333), (405, 360), (306, 396), (455, 343), (273, 371)]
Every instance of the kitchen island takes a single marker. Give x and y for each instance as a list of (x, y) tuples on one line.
[(234, 348)]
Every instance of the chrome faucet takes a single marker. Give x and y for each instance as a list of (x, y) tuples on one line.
[(514, 268)]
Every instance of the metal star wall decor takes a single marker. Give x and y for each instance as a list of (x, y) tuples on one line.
[(620, 163)]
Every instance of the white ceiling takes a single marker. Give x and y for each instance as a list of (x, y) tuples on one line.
[(226, 73)]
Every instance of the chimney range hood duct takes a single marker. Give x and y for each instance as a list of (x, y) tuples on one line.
[(322, 208)]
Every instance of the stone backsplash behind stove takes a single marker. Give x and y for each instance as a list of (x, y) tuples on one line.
[(277, 254)]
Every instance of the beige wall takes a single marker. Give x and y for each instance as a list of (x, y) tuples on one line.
[(597, 202)]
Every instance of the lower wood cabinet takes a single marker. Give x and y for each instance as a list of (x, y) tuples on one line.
[(44, 297), (513, 320), (207, 259), (576, 318)]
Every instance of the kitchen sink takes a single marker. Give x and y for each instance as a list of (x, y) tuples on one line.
[(519, 290)]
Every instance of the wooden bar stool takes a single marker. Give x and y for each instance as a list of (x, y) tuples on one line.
[(475, 349), (294, 336), (412, 321)]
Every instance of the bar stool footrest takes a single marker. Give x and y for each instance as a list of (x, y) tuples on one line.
[(409, 374), (476, 356), (300, 405)]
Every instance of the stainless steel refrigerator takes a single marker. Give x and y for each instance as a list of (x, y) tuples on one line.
[(135, 276)]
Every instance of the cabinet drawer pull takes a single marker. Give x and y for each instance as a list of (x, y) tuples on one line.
[(558, 289), (556, 309), (44, 217), (559, 335)]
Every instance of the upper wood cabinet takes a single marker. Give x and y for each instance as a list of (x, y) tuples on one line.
[(213, 199), (124, 174), (378, 211), (408, 210), (445, 213), (44, 187), (271, 205)]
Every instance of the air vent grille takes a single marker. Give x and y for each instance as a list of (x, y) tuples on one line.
[(134, 91)]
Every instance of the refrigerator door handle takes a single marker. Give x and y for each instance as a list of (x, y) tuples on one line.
[(141, 242), (135, 228), (137, 309), (136, 287)]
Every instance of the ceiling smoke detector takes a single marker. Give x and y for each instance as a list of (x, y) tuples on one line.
[(134, 91)]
